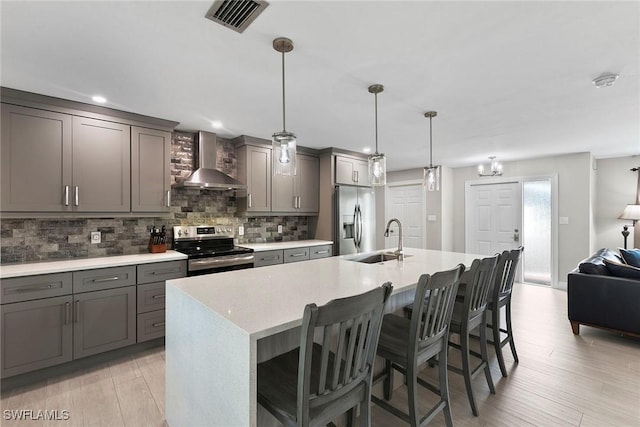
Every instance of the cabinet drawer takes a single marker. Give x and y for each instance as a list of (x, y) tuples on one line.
[(265, 258), (35, 287), (103, 278), (151, 297), (150, 325), (294, 255), (323, 251), (156, 272)]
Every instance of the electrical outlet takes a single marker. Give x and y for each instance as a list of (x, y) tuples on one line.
[(95, 237), (241, 231), (280, 229)]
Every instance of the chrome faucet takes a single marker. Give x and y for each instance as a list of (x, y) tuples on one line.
[(399, 252)]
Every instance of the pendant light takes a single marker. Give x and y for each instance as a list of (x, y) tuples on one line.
[(284, 143), (377, 161), (431, 172)]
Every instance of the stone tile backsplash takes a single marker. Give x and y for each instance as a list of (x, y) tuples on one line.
[(48, 239)]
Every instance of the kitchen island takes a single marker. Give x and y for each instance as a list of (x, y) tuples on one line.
[(220, 326)]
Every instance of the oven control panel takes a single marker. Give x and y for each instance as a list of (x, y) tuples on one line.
[(200, 231)]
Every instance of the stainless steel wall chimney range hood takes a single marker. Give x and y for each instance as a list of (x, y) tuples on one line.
[(205, 175)]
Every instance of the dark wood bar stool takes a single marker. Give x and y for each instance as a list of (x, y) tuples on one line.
[(469, 315), (501, 297), (406, 344), (318, 381)]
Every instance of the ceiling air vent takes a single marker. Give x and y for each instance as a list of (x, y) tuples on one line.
[(236, 14)]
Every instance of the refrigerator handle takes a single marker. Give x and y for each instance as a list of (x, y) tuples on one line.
[(355, 226), (358, 227)]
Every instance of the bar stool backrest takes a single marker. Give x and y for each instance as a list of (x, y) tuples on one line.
[(481, 281), (506, 273)]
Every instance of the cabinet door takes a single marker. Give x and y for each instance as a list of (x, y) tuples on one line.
[(35, 334), (361, 169), (258, 179), (283, 195), (101, 166), (308, 183), (262, 259), (344, 171), (150, 170), (103, 321), (36, 160)]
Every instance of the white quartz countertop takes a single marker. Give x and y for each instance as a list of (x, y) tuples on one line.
[(267, 300), (261, 247), (32, 269)]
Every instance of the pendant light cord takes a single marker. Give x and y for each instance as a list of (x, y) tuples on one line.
[(284, 120), (430, 143), (376, 108)]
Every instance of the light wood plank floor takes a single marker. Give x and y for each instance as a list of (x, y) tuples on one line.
[(561, 380)]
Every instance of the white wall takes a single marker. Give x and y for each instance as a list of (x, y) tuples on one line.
[(574, 200), (615, 188)]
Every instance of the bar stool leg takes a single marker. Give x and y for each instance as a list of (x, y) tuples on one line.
[(510, 331), (485, 355), (495, 326), (466, 369)]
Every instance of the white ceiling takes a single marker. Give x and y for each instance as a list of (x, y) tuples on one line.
[(511, 79)]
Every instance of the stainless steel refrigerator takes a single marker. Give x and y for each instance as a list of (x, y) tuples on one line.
[(355, 219)]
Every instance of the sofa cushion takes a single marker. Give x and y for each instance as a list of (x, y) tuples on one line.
[(622, 270), (595, 263), (631, 256)]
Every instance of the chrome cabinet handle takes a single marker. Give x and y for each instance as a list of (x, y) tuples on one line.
[(297, 255), (249, 201), (77, 196), (155, 325), (273, 258), (34, 288), (168, 198), (106, 279), (66, 195), (67, 313), (158, 296), (326, 251), (77, 312)]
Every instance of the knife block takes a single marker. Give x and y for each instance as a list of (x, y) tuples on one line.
[(157, 248)]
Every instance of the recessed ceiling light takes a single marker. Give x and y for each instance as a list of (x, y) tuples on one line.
[(605, 80), (366, 150), (216, 124), (99, 99)]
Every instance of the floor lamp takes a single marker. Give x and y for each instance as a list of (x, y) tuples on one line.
[(632, 212)]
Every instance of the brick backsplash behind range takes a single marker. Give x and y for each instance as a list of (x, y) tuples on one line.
[(42, 239)]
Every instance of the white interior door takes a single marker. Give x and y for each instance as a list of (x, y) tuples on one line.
[(407, 203), (493, 217)]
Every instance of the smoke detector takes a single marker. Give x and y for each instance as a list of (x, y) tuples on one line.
[(605, 80)]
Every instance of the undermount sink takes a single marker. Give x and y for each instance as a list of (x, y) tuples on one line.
[(373, 258)]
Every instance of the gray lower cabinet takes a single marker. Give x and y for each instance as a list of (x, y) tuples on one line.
[(104, 320), (295, 255), (36, 334), (324, 251), (262, 259), (151, 293), (54, 318)]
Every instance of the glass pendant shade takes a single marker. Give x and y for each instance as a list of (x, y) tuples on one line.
[(284, 153), (432, 178), (377, 169)]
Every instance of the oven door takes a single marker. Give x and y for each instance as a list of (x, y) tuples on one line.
[(217, 264)]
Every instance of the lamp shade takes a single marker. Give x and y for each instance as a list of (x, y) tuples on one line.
[(631, 212)]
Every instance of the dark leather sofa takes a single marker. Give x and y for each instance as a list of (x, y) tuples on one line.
[(597, 298)]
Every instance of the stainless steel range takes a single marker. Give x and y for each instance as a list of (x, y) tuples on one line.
[(210, 249)]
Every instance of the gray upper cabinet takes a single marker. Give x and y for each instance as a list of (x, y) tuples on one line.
[(299, 193), (352, 171), (36, 160), (254, 170), (101, 166), (150, 170), (308, 183)]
